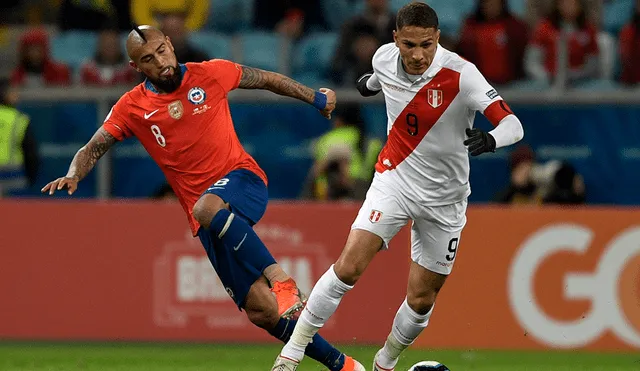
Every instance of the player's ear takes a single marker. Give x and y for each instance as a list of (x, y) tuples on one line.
[(438, 36), (134, 66), (395, 38), (169, 43)]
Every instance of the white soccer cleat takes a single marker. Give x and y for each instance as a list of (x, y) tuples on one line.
[(375, 363), (285, 364)]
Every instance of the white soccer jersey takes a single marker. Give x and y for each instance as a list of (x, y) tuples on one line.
[(424, 158)]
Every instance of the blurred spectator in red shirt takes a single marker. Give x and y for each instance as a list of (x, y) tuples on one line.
[(567, 21), (109, 66), (630, 48), (495, 41), (36, 68)]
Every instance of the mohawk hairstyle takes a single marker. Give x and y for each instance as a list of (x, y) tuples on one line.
[(139, 32)]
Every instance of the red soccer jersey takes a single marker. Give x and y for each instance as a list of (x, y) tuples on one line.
[(188, 133), (581, 44)]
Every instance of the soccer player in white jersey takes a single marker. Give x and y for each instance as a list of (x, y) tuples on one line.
[(422, 176)]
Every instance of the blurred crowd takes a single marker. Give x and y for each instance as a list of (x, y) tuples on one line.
[(543, 39), (544, 42)]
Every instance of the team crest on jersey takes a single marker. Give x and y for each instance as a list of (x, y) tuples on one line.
[(175, 109), (435, 98), (375, 216), (196, 95)]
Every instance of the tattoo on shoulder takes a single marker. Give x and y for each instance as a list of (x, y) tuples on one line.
[(252, 78)]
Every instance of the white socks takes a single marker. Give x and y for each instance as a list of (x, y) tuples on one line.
[(323, 302), (407, 325)]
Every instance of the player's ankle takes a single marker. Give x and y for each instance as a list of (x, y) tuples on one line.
[(294, 350), (385, 360), (390, 353)]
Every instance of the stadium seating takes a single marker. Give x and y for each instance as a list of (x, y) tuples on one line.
[(616, 13), (214, 44), (451, 14), (230, 16), (518, 8), (264, 50), (73, 47), (337, 12), (312, 56)]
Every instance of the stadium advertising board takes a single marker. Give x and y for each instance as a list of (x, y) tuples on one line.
[(525, 278)]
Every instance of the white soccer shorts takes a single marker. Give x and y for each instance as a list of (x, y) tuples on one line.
[(435, 230)]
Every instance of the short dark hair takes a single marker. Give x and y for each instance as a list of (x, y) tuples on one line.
[(417, 14)]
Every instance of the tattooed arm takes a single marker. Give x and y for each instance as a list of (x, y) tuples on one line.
[(254, 78), (82, 163)]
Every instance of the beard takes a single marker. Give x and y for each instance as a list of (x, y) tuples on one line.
[(171, 84)]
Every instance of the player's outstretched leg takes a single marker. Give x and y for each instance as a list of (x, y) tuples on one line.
[(239, 238), (326, 295), (261, 310), (412, 316)]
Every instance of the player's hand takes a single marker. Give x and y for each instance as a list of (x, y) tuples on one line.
[(331, 102), (70, 183), (479, 142)]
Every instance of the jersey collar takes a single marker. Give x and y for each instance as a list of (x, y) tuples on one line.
[(429, 73), (149, 86)]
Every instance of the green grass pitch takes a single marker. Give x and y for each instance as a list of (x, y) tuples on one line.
[(26, 356)]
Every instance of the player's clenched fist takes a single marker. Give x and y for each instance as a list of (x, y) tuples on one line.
[(71, 183), (331, 102)]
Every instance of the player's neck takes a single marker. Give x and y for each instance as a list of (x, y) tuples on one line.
[(158, 89)]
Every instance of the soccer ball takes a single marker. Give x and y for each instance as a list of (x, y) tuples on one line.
[(429, 366)]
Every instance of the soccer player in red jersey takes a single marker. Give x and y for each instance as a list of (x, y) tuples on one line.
[(181, 116)]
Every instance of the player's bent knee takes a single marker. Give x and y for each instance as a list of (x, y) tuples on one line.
[(422, 304), (206, 208), (261, 306), (348, 271), (265, 318)]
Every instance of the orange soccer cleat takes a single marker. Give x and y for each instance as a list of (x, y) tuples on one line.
[(289, 298), (351, 364)]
